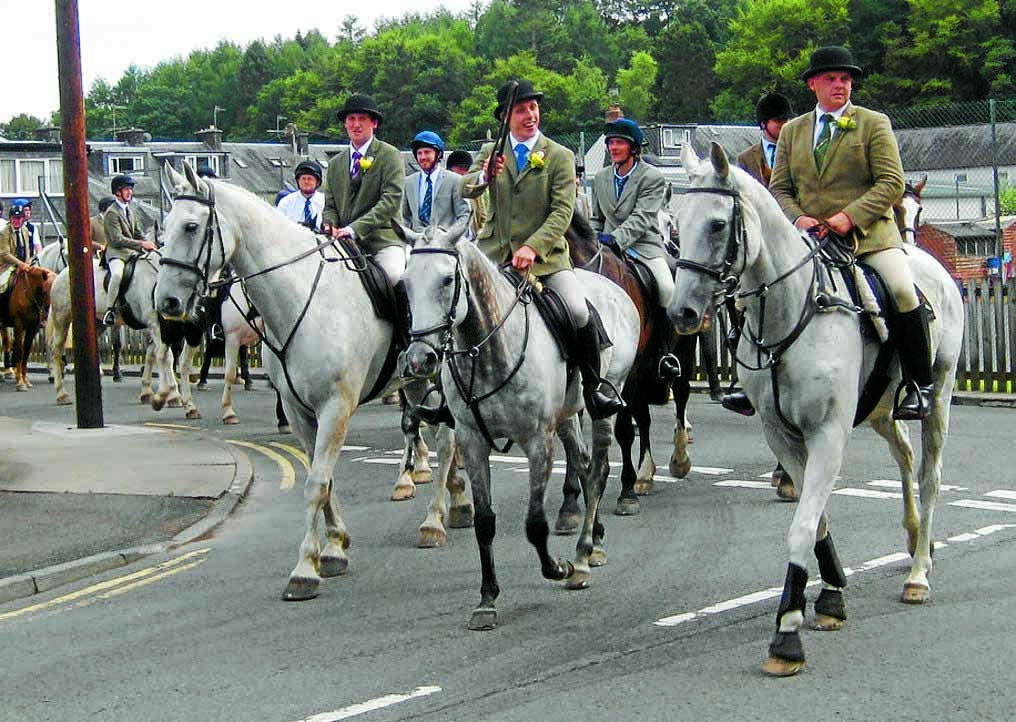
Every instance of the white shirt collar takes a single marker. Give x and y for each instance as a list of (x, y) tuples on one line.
[(531, 143)]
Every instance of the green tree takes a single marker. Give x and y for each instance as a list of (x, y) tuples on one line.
[(21, 127), (635, 85)]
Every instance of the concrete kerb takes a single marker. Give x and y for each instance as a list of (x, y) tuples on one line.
[(47, 578)]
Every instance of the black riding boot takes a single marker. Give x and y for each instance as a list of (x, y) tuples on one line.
[(913, 341), (600, 401), (402, 321), (736, 400)]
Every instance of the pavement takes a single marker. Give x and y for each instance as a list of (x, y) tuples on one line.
[(175, 487)]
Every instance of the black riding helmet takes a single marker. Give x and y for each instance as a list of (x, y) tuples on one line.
[(772, 106), (105, 202), (308, 167), (120, 182)]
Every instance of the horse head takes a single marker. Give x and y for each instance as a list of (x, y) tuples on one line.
[(196, 246), (908, 210), (437, 291)]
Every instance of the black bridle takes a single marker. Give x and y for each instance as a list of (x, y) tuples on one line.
[(523, 295), (735, 242)]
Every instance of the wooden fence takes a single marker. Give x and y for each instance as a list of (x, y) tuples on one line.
[(986, 363)]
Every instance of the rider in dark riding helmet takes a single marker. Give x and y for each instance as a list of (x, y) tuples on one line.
[(306, 205), (123, 239)]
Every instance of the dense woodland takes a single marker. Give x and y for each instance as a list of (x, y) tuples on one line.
[(662, 60)]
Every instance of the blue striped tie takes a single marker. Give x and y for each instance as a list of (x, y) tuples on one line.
[(308, 215), (428, 200)]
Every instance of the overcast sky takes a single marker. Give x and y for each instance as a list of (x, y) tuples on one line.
[(143, 32)]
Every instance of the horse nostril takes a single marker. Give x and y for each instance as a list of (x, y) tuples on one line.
[(170, 306), (686, 320)]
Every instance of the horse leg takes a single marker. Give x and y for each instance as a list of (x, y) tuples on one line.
[(116, 334), (19, 357), (432, 531), (281, 422), (590, 550), (569, 516), (476, 456), (539, 452), (404, 487), (146, 371), (680, 461), (186, 364), (57, 341), (206, 366), (332, 425), (460, 508), (647, 468), (232, 349), (624, 432), (824, 456), (244, 356), (8, 370), (168, 388), (830, 611)]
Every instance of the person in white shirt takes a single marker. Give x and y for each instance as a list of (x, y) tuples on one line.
[(305, 206)]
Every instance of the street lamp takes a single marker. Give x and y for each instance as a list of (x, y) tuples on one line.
[(215, 115)]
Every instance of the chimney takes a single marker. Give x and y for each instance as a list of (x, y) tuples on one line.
[(131, 136), (48, 134), (211, 137)]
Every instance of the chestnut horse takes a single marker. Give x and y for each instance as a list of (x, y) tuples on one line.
[(25, 307), (644, 386)]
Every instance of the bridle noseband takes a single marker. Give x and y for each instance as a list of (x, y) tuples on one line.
[(735, 241)]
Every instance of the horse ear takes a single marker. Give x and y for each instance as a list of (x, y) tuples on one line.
[(718, 157), (406, 234), (174, 180), (459, 229), (688, 157), (919, 188), (196, 181)]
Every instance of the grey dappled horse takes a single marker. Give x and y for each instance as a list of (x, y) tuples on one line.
[(324, 344), (735, 238), (504, 378), (139, 298)]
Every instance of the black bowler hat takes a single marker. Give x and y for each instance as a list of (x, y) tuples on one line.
[(526, 91), (359, 103), (831, 57)]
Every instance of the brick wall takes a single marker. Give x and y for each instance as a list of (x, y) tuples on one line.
[(963, 268)]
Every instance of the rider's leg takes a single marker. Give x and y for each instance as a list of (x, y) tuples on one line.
[(113, 292), (392, 260), (600, 399), (668, 364), (912, 336)]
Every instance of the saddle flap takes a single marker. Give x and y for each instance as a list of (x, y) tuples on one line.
[(375, 283)]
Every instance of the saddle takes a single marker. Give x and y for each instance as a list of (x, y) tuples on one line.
[(558, 318), (878, 380), (126, 313)]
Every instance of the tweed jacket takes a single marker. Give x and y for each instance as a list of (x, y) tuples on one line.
[(634, 218), (753, 161), (8, 247), (447, 206), (371, 203), (862, 176), (123, 237), (532, 208), (98, 233)]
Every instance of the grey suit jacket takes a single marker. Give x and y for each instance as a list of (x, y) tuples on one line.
[(447, 206), (633, 219)]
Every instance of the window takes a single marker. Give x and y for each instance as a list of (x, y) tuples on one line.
[(976, 246), (239, 162), (126, 164), (198, 162), (674, 137), (278, 163), (20, 176)]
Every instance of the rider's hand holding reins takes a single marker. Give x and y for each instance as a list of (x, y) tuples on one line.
[(148, 245), (523, 258)]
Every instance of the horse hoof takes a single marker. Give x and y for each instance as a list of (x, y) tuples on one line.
[(202, 386), (460, 517), (63, 400), (403, 492), (174, 403), (248, 385), (422, 476), (776, 667), (627, 507), (285, 429), (431, 537), (483, 619), (579, 580), (644, 487), (21, 387), (231, 420), (117, 378), (825, 623), (333, 566), (146, 398), (567, 523), (679, 469), (915, 593), (193, 414), (598, 557), (786, 491), (300, 589)]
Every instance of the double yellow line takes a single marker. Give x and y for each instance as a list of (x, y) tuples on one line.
[(116, 586), (285, 467)]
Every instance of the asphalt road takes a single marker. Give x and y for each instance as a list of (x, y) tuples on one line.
[(674, 627)]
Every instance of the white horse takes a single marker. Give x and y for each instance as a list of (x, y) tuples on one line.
[(504, 377), (806, 376), (325, 346), (139, 299)]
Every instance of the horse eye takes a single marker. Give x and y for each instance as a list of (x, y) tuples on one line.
[(448, 280), (717, 225), (191, 227)]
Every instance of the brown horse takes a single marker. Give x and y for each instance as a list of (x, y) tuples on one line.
[(644, 385), (25, 307)]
